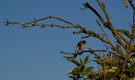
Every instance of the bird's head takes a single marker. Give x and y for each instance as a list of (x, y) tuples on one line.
[(84, 42)]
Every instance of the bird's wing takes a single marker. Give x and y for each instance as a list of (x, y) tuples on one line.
[(78, 46)]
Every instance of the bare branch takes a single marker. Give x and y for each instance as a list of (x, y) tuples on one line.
[(90, 50), (35, 21), (91, 33), (117, 37), (87, 5)]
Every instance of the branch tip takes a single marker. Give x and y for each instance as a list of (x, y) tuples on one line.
[(7, 22), (61, 52)]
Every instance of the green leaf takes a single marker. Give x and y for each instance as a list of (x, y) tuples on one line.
[(74, 61), (99, 61), (82, 65), (76, 70), (86, 60), (81, 61), (88, 69)]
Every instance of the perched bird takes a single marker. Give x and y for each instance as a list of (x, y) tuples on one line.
[(80, 45)]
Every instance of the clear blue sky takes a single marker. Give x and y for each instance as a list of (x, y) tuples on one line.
[(34, 53)]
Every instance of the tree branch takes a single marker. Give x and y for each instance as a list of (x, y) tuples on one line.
[(130, 1), (87, 5), (29, 24), (90, 50), (91, 33), (110, 25)]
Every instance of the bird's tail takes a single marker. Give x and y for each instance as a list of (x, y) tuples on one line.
[(76, 49)]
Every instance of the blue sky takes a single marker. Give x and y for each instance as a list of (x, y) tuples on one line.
[(34, 53)]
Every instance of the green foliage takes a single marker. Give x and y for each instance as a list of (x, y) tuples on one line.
[(80, 71), (87, 69), (74, 61), (86, 60)]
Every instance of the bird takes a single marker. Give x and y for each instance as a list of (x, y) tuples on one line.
[(80, 45)]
